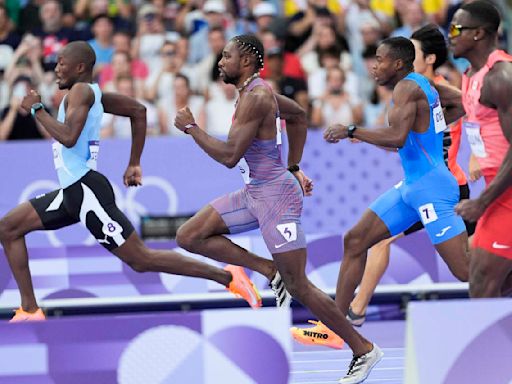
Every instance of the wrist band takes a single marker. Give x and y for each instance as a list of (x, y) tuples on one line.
[(188, 127), (294, 168), (36, 107), (350, 131)]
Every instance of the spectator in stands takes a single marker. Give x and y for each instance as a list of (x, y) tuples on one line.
[(122, 65), (291, 87), (169, 11), (220, 108), (317, 81), (214, 14), (216, 42), (376, 109), (265, 15), (291, 62), (7, 34), (150, 37), (358, 13), (120, 11), (336, 106), (16, 123), (182, 98), (120, 126), (26, 61), (102, 30), (323, 37), (52, 33), (30, 20), (122, 41), (412, 17), (160, 83), (366, 82), (189, 70), (303, 22)]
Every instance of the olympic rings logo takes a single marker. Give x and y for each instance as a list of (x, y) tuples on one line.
[(128, 201)]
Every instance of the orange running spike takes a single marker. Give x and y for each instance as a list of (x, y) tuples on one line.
[(243, 287), (317, 335)]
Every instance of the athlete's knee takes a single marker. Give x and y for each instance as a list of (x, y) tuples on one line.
[(297, 287), (137, 256), (8, 230), (353, 242), (187, 238)]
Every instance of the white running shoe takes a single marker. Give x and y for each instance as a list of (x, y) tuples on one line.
[(283, 297), (361, 366)]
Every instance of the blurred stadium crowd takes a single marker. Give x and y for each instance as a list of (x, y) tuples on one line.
[(165, 53)]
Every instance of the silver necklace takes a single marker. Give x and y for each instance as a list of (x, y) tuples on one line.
[(247, 81)]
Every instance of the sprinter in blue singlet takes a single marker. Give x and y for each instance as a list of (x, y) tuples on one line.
[(428, 192)]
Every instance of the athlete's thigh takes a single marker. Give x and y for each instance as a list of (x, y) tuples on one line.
[(91, 200), (51, 210), (20, 220), (434, 200), (391, 209), (455, 253), (278, 208), (493, 230), (228, 214)]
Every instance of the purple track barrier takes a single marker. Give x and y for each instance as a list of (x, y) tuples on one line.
[(208, 347), (459, 342)]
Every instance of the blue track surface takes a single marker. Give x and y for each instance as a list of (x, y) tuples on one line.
[(320, 365)]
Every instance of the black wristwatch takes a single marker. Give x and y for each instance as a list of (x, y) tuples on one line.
[(294, 168), (351, 129)]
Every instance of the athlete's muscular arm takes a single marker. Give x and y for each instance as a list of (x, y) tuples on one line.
[(78, 103), (296, 127), (496, 92), (121, 105), (451, 100), (127, 106), (252, 109), (402, 116)]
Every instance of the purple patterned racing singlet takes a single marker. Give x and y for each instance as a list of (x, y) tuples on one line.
[(272, 197)]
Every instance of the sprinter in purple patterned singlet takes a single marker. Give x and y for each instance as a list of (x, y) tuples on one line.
[(272, 196)]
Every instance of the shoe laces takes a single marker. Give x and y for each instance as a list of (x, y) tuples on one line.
[(278, 288), (353, 363)]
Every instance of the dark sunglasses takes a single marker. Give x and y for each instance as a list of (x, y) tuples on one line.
[(456, 30), (168, 53)]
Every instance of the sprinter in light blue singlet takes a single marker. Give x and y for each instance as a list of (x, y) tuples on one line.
[(73, 163)]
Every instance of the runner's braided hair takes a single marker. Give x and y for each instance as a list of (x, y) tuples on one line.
[(251, 45)]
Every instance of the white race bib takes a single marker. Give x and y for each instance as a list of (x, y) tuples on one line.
[(438, 115), (244, 170), (279, 139), (57, 155), (94, 148), (427, 213), (474, 138)]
